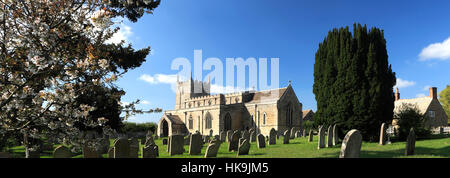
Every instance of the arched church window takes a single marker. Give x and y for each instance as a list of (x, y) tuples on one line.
[(264, 118), (208, 121), (191, 122)]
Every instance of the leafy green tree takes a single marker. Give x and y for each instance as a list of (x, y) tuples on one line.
[(444, 98), (410, 117), (353, 81)]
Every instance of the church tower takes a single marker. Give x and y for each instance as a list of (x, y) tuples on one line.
[(189, 89)]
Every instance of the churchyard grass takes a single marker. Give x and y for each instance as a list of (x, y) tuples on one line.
[(301, 148)]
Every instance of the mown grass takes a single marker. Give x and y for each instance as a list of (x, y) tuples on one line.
[(301, 148)]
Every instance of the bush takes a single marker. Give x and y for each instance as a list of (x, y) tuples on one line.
[(308, 125), (409, 116), (129, 127)]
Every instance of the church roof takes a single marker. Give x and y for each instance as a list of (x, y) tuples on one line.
[(174, 118), (267, 95), (421, 103)]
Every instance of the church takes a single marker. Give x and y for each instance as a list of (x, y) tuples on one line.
[(197, 110)]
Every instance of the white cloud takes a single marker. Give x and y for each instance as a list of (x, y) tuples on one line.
[(404, 83), (436, 51), (159, 78), (145, 102), (123, 34), (420, 95), (426, 88)]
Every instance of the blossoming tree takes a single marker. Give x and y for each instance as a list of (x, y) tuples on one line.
[(57, 72)]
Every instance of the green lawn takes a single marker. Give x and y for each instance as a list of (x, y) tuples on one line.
[(301, 148)]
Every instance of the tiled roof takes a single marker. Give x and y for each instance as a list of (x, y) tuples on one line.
[(421, 103), (267, 95)]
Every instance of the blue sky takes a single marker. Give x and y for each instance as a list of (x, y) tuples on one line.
[(291, 30)]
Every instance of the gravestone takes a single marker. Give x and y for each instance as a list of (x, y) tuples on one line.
[(321, 142), (195, 144), (111, 152), (410, 142), (149, 141), (246, 135), (286, 137), (253, 136), (134, 147), (168, 144), (310, 136), (62, 152), (89, 152), (229, 134), (176, 145), (164, 141), (212, 149), (121, 148), (260, 141), (272, 137), (351, 145), (205, 139), (150, 151), (304, 132), (330, 136), (382, 135), (298, 134), (335, 135), (292, 133), (234, 142), (244, 147), (222, 136), (211, 133), (104, 146)]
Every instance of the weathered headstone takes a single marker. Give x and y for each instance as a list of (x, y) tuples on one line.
[(229, 134), (195, 145), (234, 142), (134, 147), (244, 147), (104, 146), (410, 143), (304, 132), (286, 136), (321, 141), (150, 151), (382, 135), (272, 137), (211, 132), (111, 152), (187, 139), (62, 152), (164, 141), (330, 136), (252, 135), (351, 145), (121, 148), (298, 134), (205, 139), (89, 152), (212, 149), (246, 135), (260, 141), (149, 141), (292, 133), (310, 136), (176, 145), (222, 136), (335, 135)]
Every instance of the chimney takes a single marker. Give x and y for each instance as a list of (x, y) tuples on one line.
[(397, 95), (433, 92)]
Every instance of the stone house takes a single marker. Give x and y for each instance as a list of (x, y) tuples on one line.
[(197, 110), (428, 105)]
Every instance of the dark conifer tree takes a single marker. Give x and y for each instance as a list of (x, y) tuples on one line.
[(353, 81)]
